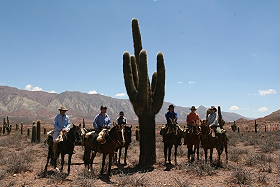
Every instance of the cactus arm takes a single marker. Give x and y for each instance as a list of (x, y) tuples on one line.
[(158, 96), (134, 71), (154, 82), (137, 42), (143, 88), (128, 77)]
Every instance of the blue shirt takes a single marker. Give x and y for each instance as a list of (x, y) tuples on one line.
[(169, 116), (61, 122), (101, 120)]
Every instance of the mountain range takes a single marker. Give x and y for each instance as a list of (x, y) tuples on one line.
[(23, 105)]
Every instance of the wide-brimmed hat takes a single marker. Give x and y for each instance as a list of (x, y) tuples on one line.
[(62, 108), (193, 108), (213, 108), (103, 107), (170, 106), (121, 113)]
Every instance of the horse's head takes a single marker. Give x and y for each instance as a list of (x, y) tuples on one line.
[(75, 133), (116, 134), (204, 127)]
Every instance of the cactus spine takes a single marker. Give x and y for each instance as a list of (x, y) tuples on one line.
[(146, 98)]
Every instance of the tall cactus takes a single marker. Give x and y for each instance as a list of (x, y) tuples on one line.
[(146, 98)]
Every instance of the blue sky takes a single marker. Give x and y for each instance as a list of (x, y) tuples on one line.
[(217, 52)]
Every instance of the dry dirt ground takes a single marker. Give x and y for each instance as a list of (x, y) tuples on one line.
[(253, 161)]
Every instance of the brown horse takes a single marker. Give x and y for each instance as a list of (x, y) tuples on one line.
[(114, 140), (71, 138), (192, 140), (172, 135), (127, 137), (219, 142)]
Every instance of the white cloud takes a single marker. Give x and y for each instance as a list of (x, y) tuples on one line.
[(180, 82), (191, 82), (29, 87), (92, 92), (267, 92), (120, 95), (234, 108), (263, 109)]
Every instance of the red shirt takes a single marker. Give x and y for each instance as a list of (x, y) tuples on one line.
[(192, 118)]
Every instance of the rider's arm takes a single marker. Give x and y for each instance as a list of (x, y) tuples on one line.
[(95, 123), (109, 123), (68, 124)]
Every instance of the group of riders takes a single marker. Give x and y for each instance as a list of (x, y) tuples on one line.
[(102, 122), (193, 120)]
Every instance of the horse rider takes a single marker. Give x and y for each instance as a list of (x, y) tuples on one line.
[(121, 120), (62, 125), (192, 119), (212, 121), (102, 121)]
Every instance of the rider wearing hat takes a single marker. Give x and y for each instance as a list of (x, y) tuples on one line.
[(61, 124), (192, 118), (212, 121), (171, 115), (102, 120), (121, 120)]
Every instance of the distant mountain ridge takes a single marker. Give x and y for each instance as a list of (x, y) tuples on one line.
[(32, 105)]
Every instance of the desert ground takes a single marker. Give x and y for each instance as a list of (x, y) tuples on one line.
[(253, 161)]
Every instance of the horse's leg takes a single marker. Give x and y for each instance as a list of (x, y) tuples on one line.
[(211, 155), (226, 151), (62, 162), (48, 159), (93, 154), (192, 153), (175, 154), (197, 151), (169, 153), (189, 153), (86, 158), (165, 154), (69, 163), (125, 154), (110, 164), (120, 154), (205, 154), (103, 163)]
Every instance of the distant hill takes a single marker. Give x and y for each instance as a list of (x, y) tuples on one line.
[(274, 116), (23, 105)]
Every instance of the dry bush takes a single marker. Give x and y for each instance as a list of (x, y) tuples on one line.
[(269, 146), (257, 159), (7, 183), (18, 162), (2, 174), (266, 168), (235, 153), (262, 178), (200, 169), (131, 181), (181, 182), (86, 183), (241, 176)]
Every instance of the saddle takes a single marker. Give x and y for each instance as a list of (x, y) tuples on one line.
[(101, 138)]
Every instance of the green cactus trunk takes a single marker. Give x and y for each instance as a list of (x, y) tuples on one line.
[(146, 98)]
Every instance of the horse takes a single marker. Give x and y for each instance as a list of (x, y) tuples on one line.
[(172, 135), (219, 142), (127, 137), (192, 140), (114, 140), (70, 139)]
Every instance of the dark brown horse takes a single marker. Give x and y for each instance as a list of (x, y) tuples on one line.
[(172, 135), (127, 137), (192, 140), (219, 142), (114, 140), (71, 138)]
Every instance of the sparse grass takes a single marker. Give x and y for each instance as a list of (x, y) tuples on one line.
[(7, 183), (132, 181), (257, 159), (18, 162), (200, 168), (241, 176)]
